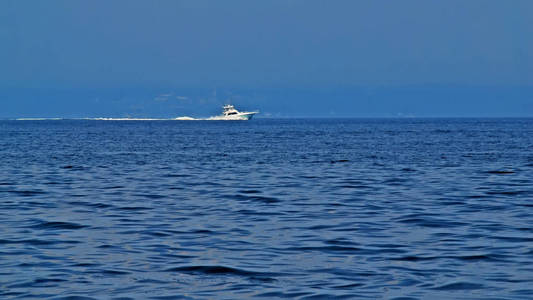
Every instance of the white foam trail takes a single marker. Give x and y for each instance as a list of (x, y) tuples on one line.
[(184, 118), (124, 119), (37, 119), (144, 119)]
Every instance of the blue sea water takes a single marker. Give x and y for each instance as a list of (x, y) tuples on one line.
[(299, 208)]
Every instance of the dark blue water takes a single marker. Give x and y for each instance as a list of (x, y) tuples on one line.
[(405, 209)]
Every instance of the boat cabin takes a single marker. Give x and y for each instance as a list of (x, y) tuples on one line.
[(230, 110)]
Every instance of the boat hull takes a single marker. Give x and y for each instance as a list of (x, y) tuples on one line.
[(237, 117)]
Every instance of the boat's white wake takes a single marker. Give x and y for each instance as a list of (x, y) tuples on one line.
[(184, 118), (124, 119), (110, 119), (38, 119), (187, 119), (145, 119)]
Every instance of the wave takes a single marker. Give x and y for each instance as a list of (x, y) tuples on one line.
[(223, 270)]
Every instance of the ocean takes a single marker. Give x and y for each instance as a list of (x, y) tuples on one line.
[(269, 208)]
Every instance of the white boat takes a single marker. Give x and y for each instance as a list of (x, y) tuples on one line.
[(230, 113)]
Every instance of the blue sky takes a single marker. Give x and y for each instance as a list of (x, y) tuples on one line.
[(287, 58)]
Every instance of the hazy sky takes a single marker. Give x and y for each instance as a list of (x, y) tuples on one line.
[(255, 45)]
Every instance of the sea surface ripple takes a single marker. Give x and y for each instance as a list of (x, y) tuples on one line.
[(301, 208)]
